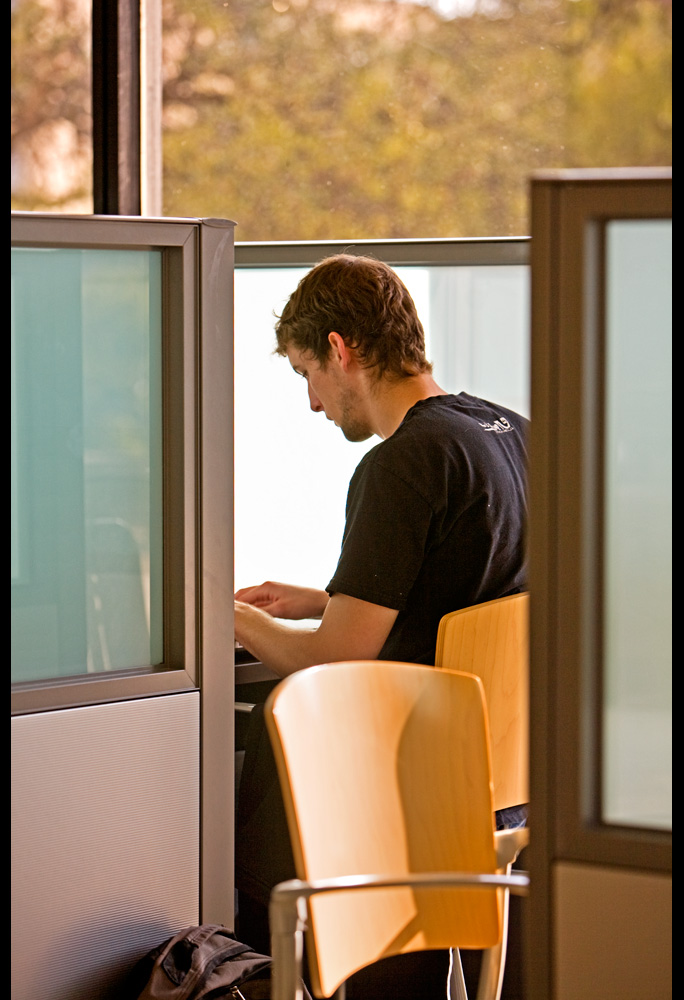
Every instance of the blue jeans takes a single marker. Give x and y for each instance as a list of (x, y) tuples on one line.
[(511, 818)]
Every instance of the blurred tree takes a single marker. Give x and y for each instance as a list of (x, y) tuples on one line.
[(320, 119), (51, 123), (352, 119), (619, 95)]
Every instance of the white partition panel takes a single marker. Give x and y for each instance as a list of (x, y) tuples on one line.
[(105, 842)]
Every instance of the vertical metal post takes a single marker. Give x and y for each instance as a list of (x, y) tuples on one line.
[(116, 107), (151, 166)]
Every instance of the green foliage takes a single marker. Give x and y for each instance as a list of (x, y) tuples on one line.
[(51, 123), (352, 119), (385, 120), (619, 104)]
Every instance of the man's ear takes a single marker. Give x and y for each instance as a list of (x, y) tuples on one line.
[(340, 351)]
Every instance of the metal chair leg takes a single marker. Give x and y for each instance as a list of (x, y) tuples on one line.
[(456, 989), (490, 982), (287, 918)]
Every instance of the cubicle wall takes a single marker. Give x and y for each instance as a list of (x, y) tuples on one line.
[(122, 560), (122, 382), (600, 582), (122, 638)]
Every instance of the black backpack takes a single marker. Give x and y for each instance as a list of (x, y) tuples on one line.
[(205, 962)]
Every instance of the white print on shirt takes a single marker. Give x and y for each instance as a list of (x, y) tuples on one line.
[(500, 426)]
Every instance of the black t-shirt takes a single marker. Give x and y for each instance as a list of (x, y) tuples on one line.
[(436, 518)]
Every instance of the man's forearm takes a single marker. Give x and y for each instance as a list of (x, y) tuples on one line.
[(350, 630), (281, 648)]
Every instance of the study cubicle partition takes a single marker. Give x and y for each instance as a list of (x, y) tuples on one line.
[(600, 584), (121, 610), (122, 558)]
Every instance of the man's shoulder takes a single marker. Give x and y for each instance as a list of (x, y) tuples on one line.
[(460, 410), (412, 451), (447, 419), (443, 432)]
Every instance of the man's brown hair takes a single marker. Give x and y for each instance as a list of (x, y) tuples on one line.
[(364, 301)]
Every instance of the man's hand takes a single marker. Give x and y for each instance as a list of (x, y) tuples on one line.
[(285, 600)]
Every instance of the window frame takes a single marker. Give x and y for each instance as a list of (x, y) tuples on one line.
[(466, 251)]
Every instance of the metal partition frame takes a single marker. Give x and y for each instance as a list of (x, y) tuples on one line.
[(569, 210), (197, 268), (197, 364)]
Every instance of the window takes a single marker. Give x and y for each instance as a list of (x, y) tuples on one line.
[(327, 119), (320, 119), (292, 468), (52, 129)]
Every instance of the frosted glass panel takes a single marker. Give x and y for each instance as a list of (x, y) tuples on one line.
[(86, 461), (637, 708), (292, 466)]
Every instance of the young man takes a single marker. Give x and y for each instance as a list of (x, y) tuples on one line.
[(435, 513), (435, 521)]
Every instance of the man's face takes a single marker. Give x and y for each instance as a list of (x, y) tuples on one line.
[(333, 392)]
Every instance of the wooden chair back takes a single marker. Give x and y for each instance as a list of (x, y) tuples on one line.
[(385, 769), (491, 640)]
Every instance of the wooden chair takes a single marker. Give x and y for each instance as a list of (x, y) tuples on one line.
[(491, 640), (385, 773)]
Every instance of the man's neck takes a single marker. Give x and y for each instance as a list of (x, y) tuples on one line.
[(391, 400)]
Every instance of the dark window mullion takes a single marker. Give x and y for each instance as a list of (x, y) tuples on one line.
[(116, 107)]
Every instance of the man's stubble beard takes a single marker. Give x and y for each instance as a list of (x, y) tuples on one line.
[(353, 426)]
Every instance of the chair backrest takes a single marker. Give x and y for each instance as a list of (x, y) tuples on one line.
[(385, 769), (492, 641)]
